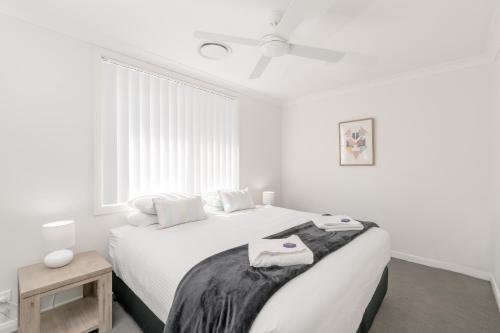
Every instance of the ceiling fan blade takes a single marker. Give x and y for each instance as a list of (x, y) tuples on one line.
[(225, 38), (260, 67), (293, 16), (316, 53)]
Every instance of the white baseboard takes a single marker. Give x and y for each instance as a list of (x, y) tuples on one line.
[(8, 327), (496, 291), (477, 273)]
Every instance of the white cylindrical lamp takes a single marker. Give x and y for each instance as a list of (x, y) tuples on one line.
[(58, 237), (268, 198)]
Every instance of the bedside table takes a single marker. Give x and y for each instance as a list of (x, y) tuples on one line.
[(89, 313)]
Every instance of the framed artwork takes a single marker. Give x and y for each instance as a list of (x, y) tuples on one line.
[(356, 144)]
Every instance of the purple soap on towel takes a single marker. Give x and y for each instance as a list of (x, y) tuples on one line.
[(289, 245), (345, 220)]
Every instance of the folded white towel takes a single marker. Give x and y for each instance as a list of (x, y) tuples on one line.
[(336, 223), (335, 220), (272, 252), (341, 228)]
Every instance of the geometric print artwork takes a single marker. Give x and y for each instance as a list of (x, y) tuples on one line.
[(356, 142)]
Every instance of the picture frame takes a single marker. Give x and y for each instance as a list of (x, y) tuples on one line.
[(357, 142)]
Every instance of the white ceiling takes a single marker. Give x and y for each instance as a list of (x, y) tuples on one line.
[(386, 37)]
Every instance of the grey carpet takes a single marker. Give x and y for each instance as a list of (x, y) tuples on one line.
[(424, 299), (420, 300), (122, 322)]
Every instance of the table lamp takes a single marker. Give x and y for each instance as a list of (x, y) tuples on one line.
[(268, 198), (58, 237)]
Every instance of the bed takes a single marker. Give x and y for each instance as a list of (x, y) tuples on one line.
[(341, 293)]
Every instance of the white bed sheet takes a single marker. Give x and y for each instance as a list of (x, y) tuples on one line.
[(330, 297)]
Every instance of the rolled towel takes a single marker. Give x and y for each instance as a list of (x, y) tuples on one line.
[(279, 252), (337, 223)]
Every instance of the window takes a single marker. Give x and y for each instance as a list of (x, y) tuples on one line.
[(159, 134)]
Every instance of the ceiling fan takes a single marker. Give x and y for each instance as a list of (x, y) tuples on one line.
[(276, 44)]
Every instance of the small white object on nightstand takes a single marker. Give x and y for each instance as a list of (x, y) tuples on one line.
[(58, 237), (268, 198)]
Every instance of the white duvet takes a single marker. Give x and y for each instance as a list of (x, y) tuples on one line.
[(330, 297)]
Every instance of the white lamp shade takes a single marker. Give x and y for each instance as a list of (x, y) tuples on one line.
[(268, 198), (58, 235)]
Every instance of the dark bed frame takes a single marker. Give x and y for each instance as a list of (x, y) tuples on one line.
[(149, 323)]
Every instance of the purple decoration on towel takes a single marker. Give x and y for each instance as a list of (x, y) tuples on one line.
[(345, 220), (289, 245)]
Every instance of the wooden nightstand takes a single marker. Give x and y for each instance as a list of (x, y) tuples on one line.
[(89, 313)]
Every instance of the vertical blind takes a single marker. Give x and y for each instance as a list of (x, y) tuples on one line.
[(163, 135)]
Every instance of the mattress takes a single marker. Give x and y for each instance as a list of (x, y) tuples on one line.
[(329, 297)]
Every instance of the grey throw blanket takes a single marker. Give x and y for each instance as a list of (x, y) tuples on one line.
[(223, 293)]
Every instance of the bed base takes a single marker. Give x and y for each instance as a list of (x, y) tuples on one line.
[(149, 323)]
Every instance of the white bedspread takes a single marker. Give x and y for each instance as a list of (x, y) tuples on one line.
[(330, 297)]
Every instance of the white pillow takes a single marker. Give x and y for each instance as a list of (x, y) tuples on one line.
[(212, 199), (146, 205), (233, 200), (180, 210), (140, 219)]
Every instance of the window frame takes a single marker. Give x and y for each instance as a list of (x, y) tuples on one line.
[(97, 55)]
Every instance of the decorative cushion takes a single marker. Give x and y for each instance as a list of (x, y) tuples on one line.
[(233, 200), (179, 210)]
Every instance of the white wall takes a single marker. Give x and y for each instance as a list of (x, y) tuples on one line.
[(496, 177), (260, 148), (47, 151), (429, 187)]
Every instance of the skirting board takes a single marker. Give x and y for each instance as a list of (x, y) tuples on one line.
[(496, 291), (443, 265)]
